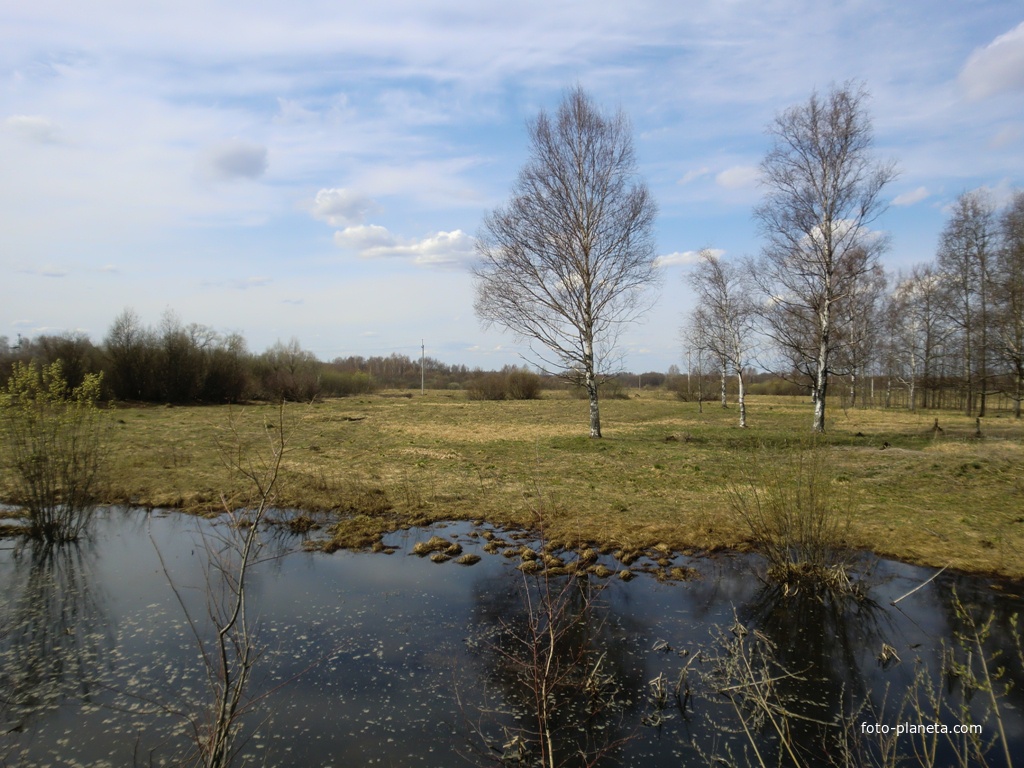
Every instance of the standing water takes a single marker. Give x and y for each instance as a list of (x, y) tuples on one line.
[(392, 659)]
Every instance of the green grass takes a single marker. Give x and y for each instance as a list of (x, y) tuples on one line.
[(661, 475)]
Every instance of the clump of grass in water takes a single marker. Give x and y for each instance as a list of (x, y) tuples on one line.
[(798, 519)]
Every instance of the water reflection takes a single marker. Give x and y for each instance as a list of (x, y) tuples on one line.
[(557, 663), (56, 635), (393, 659)]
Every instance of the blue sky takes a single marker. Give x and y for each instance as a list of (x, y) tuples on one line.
[(320, 169)]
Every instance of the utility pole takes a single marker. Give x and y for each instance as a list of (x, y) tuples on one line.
[(423, 351)]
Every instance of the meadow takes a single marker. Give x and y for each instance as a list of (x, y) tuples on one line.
[(665, 474)]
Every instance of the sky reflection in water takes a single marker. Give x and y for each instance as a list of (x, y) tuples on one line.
[(396, 660)]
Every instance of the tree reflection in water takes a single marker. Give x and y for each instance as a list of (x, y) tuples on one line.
[(556, 653), (797, 676), (57, 635)]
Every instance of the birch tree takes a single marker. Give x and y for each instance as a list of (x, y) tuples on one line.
[(1009, 296), (725, 317), (860, 318), (916, 329), (823, 192), (567, 261), (965, 261)]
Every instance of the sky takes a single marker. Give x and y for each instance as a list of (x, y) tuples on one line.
[(320, 170)]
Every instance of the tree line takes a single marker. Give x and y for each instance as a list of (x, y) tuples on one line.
[(175, 362), (818, 305), (945, 334)]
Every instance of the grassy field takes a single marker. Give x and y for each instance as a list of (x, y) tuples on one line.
[(663, 474)]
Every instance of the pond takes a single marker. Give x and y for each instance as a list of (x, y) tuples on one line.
[(393, 659)]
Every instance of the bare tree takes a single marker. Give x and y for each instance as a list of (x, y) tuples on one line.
[(725, 317), (695, 342), (567, 261), (823, 191), (1009, 296), (916, 329), (129, 345), (859, 318), (965, 260)]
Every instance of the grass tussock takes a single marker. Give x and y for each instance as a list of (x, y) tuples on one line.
[(799, 518)]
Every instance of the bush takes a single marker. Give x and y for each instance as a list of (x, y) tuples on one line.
[(52, 443), (522, 385), (510, 384), (798, 523), (489, 386)]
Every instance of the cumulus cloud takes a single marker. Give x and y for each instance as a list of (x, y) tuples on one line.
[(375, 242), (909, 198), (235, 160), (34, 128), (366, 239), (738, 177), (685, 257), (996, 67), (341, 207)]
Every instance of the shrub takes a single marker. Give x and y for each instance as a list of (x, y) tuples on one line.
[(797, 521), (489, 386), (52, 441), (509, 384), (522, 385)]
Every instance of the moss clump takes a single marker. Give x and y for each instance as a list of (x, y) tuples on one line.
[(433, 544)]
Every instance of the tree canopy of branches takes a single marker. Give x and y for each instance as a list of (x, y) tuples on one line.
[(724, 317), (965, 260), (823, 191), (1009, 296), (567, 261), (915, 329)]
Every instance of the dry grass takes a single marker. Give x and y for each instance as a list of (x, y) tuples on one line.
[(662, 474)]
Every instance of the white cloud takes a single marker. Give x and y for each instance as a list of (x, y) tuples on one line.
[(364, 238), (685, 257), (444, 249), (34, 128), (341, 207), (235, 160), (996, 67), (694, 174), (440, 249), (738, 177), (914, 196)]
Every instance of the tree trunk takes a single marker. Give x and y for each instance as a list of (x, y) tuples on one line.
[(595, 413), (821, 373), (591, 384), (725, 402), (740, 397)]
